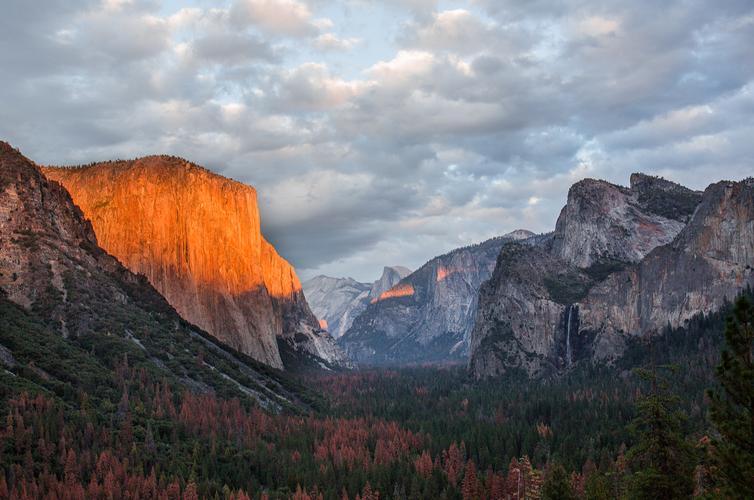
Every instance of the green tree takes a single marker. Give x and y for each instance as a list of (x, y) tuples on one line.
[(732, 409), (557, 485), (661, 460), (597, 487)]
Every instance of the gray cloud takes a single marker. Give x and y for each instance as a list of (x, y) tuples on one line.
[(471, 122)]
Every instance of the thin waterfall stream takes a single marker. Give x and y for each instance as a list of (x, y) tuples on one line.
[(569, 355)]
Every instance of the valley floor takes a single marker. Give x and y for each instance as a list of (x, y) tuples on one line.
[(409, 433)]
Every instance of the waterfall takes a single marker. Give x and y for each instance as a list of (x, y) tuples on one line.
[(569, 354)]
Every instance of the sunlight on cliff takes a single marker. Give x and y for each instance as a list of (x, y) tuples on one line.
[(400, 290), (443, 272)]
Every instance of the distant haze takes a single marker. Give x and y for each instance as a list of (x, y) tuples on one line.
[(381, 133)]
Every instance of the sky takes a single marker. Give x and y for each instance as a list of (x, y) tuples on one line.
[(388, 132)]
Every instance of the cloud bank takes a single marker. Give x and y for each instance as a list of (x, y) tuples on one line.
[(388, 132)]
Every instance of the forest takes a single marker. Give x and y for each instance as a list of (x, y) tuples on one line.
[(669, 420)]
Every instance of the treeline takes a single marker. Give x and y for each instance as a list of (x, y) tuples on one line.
[(416, 433)]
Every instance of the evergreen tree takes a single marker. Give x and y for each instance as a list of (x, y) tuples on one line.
[(732, 409), (557, 485), (661, 461), (597, 487)]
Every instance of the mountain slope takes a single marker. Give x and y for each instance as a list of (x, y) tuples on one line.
[(338, 301), (621, 263), (72, 312), (427, 316), (196, 236)]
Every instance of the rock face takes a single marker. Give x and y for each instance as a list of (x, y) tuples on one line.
[(391, 276), (52, 267), (338, 301), (196, 237), (602, 222), (427, 316), (621, 263)]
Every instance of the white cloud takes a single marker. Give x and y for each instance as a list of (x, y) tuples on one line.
[(330, 41), (455, 30), (281, 17)]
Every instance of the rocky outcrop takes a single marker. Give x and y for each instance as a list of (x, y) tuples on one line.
[(602, 222), (196, 237), (52, 267), (391, 276), (709, 262), (338, 301), (520, 318), (623, 262), (427, 316)]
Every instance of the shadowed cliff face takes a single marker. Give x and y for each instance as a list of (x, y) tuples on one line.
[(622, 263), (196, 237)]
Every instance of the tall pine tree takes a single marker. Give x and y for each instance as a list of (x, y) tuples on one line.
[(732, 409), (557, 484), (661, 461)]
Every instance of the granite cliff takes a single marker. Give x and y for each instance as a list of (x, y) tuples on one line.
[(428, 315), (196, 236), (622, 263)]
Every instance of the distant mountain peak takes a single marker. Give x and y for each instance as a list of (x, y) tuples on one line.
[(519, 234), (428, 315), (338, 301)]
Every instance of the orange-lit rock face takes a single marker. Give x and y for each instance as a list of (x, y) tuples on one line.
[(399, 290), (442, 273), (196, 236)]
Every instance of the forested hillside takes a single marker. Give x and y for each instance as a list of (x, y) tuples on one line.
[(119, 431)]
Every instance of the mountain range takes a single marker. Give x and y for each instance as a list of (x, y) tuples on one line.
[(428, 315), (105, 249)]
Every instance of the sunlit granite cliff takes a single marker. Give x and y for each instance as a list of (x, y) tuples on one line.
[(196, 236)]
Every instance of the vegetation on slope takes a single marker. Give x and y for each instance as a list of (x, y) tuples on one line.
[(81, 422)]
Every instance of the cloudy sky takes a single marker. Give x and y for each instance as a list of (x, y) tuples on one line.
[(388, 132)]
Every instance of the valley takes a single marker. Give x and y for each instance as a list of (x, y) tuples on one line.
[(154, 345)]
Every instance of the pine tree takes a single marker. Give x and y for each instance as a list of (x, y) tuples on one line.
[(557, 485), (470, 485), (732, 409), (597, 487), (661, 460)]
